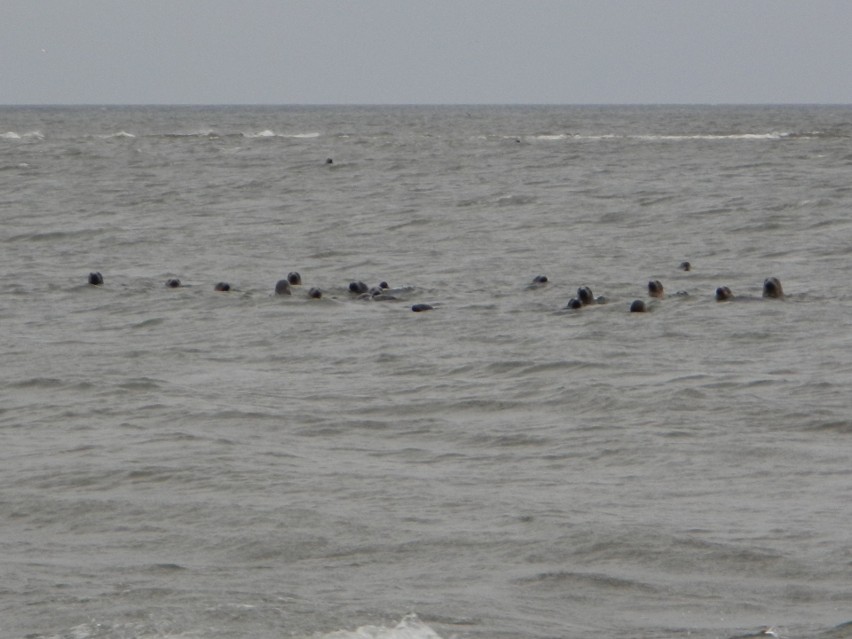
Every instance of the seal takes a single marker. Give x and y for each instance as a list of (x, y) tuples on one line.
[(358, 288), (638, 306), (685, 266), (282, 287), (772, 288), (294, 278), (222, 286), (315, 294), (585, 297), (96, 279), (584, 294), (655, 289), (173, 282), (724, 294), (419, 308), (574, 303)]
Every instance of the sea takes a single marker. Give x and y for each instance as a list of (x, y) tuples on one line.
[(187, 463)]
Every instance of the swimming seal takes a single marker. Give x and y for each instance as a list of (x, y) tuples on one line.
[(173, 282), (419, 308), (282, 287), (685, 266), (222, 286), (294, 278), (772, 288), (96, 279), (584, 294), (638, 306), (585, 297), (655, 289), (574, 303), (359, 288), (723, 294), (315, 293)]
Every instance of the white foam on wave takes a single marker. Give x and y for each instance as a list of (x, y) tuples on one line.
[(712, 136), (552, 136), (120, 134), (677, 137), (410, 627), (12, 135), (266, 133)]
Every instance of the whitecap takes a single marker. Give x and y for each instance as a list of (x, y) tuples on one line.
[(409, 628)]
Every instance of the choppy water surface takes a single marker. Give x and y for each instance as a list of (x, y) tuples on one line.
[(189, 463)]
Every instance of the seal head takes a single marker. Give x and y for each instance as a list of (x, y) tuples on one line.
[(655, 289), (723, 294), (358, 288), (772, 288)]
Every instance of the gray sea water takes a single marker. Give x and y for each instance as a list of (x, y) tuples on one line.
[(186, 463)]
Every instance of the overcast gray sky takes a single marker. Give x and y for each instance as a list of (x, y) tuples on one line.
[(425, 51)]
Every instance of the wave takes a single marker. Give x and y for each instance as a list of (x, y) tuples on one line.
[(111, 136), (409, 628), (32, 135), (675, 137), (271, 134)]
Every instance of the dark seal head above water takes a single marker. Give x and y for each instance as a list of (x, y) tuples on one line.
[(358, 288), (724, 294), (282, 287), (685, 266), (315, 294), (655, 289), (294, 278), (96, 279), (574, 303), (772, 288), (584, 294), (222, 286), (638, 306), (585, 297), (173, 282)]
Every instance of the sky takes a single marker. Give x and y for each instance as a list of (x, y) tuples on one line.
[(425, 51)]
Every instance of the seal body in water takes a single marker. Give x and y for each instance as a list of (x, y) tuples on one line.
[(222, 286), (419, 308), (655, 289), (638, 306), (723, 294), (772, 288), (282, 287), (358, 288), (585, 297), (96, 279)]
